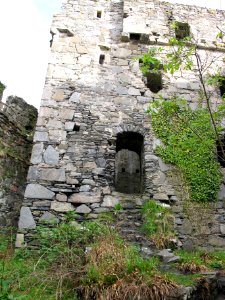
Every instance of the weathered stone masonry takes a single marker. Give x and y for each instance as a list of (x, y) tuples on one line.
[(17, 122), (92, 132)]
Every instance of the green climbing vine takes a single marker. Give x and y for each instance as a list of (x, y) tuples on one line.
[(188, 137), (189, 142)]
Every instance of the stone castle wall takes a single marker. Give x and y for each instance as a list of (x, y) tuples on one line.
[(15, 150), (94, 103)]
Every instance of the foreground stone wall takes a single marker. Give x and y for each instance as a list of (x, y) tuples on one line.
[(94, 96), (15, 150)]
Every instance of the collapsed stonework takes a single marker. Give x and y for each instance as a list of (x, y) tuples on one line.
[(93, 145), (17, 122)]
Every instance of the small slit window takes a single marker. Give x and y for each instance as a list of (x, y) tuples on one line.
[(76, 127), (101, 59), (123, 170), (137, 171), (99, 14), (135, 37), (182, 30)]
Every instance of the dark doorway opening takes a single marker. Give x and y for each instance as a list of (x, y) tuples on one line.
[(129, 162)]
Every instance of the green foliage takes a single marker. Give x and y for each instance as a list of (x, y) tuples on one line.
[(197, 261), (91, 259), (149, 62), (181, 57), (217, 260), (2, 87), (118, 207), (189, 143), (185, 280), (158, 223)]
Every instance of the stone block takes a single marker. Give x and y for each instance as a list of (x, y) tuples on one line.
[(160, 179), (66, 114), (181, 83), (98, 171), (75, 97), (38, 191), (85, 198), (69, 126), (90, 165), (58, 95), (51, 156), (161, 196), (134, 92), (36, 156), (81, 49), (54, 124), (217, 241), (61, 197), (40, 136), (186, 228), (53, 175), (47, 217), (62, 206), (20, 240), (26, 220), (72, 181), (83, 209), (222, 229), (221, 194), (109, 201), (85, 188), (33, 173), (121, 90), (57, 135), (89, 182), (121, 52), (163, 167)]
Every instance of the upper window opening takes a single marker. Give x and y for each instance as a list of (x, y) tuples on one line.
[(101, 59), (123, 170), (99, 14), (182, 30), (76, 127), (135, 37), (125, 15), (154, 81)]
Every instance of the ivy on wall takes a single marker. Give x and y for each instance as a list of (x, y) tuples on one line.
[(188, 142), (2, 87)]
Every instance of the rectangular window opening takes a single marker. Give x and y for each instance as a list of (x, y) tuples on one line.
[(135, 37), (182, 30), (123, 170), (76, 127), (101, 59), (99, 14)]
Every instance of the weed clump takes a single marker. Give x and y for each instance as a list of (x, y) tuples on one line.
[(158, 224)]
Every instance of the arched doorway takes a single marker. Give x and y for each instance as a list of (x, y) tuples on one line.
[(128, 163)]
